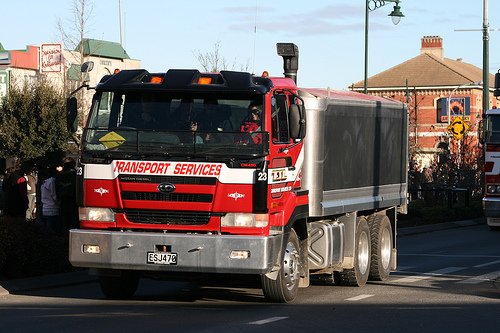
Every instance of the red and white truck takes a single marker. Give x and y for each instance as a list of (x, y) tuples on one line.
[(314, 188), (491, 142)]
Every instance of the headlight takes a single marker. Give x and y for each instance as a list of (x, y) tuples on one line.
[(97, 214), (493, 189), (245, 220)]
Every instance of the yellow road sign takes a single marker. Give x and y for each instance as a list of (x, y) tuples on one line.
[(112, 139), (458, 128)]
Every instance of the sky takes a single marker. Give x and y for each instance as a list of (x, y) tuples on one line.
[(166, 34)]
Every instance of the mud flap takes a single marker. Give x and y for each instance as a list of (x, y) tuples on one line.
[(304, 265)]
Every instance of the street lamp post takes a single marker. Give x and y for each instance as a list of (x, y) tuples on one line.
[(396, 15)]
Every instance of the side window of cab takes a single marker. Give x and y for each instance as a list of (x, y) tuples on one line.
[(279, 109)]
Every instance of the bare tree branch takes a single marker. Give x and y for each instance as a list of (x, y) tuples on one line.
[(74, 29), (214, 61)]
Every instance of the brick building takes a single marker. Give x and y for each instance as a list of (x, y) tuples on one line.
[(425, 83)]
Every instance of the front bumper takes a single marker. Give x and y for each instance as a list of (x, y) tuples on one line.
[(491, 207), (195, 252)]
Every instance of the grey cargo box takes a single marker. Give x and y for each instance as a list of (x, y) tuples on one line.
[(356, 152)]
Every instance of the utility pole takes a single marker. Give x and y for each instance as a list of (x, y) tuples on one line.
[(121, 25), (486, 57)]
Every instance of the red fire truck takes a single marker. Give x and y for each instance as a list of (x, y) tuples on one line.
[(179, 178), (491, 140)]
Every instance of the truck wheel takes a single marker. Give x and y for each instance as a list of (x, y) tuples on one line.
[(358, 275), (381, 254), (119, 287), (285, 287)]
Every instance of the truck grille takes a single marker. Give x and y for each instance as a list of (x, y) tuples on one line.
[(171, 217), (177, 180), (173, 197), (180, 196)]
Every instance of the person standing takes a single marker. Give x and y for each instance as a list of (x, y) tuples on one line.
[(50, 206), (31, 189), (66, 193), (16, 197)]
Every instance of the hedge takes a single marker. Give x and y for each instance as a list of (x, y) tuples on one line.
[(28, 249)]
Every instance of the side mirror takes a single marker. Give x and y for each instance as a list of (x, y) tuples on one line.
[(496, 92), (297, 120), (71, 115), (87, 66)]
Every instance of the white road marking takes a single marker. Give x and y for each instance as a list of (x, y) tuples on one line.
[(403, 268), (487, 264), (357, 298), (267, 321), (424, 276), (482, 278)]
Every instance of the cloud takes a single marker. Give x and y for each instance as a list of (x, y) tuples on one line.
[(326, 20)]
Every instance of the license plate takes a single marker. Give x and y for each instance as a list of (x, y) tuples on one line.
[(162, 258)]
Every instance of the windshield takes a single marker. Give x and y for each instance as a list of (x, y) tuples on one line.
[(493, 129), (163, 122)]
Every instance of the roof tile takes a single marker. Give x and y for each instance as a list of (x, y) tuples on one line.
[(427, 70)]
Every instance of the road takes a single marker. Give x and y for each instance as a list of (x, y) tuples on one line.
[(446, 282)]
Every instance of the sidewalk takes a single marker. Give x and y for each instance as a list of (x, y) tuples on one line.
[(46, 281), (440, 226), (66, 279)]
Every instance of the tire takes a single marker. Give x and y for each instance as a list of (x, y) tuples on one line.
[(358, 275), (382, 243), (284, 289), (119, 287)]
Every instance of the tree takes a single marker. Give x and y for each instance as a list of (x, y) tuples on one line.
[(75, 28), (73, 31), (33, 121), (215, 62)]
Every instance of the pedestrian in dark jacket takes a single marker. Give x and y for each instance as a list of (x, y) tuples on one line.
[(16, 197), (66, 193)]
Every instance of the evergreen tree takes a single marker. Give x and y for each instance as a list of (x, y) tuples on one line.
[(33, 121)]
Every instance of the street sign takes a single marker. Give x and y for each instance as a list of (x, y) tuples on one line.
[(4, 84), (458, 128)]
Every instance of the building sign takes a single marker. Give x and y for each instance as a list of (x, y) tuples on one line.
[(4, 85), (459, 107), (51, 58)]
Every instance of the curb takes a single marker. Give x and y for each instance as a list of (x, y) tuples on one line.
[(66, 279), (440, 226)]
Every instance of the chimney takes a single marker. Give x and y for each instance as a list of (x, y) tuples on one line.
[(433, 45)]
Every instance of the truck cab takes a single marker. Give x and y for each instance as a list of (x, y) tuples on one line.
[(491, 200)]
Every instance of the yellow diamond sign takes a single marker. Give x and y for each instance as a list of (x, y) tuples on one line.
[(112, 139), (458, 128)]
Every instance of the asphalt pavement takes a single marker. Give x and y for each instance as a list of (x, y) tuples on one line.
[(66, 279)]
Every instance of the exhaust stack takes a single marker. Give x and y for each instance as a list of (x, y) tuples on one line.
[(290, 54)]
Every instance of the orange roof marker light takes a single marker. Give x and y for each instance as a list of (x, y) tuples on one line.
[(117, 70), (205, 80), (265, 74), (156, 79)]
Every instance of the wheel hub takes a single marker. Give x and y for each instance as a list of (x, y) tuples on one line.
[(291, 266)]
